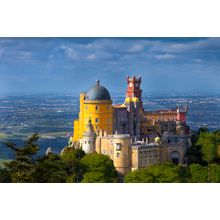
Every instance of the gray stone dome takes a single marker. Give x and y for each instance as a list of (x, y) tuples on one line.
[(98, 92)]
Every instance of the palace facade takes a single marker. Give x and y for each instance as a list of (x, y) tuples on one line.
[(131, 136)]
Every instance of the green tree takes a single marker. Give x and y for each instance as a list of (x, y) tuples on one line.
[(94, 177), (198, 173), (214, 173), (194, 154), (100, 164), (72, 162), (50, 169), (139, 176), (163, 173), (22, 167), (5, 176), (209, 143)]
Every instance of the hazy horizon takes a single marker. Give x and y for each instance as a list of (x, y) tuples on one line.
[(113, 94)]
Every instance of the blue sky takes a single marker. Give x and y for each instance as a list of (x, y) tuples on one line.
[(71, 65)]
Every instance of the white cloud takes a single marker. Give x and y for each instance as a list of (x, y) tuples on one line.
[(198, 60), (166, 56), (136, 48), (110, 49), (24, 54), (91, 57), (70, 52), (206, 44)]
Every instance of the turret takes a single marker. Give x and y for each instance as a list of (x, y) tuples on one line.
[(89, 138), (181, 114), (122, 153)]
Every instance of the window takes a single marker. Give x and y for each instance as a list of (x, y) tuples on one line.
[(89, 142), (118, 155), (96, 107), (118, 146), (85, 142), (103, 151), (96, 127), (130, 84), (96, 120), (86, 107)]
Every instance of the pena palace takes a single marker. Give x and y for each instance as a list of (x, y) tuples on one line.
[(130, 135)]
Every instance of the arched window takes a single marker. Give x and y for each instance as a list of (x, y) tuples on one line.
[(175, 157), (96, 107)]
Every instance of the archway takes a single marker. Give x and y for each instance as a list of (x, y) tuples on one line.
[(175, 157)]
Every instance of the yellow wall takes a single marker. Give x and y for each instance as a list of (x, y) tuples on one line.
[(76, 130), (81, 114), (121, 157), (99, 111), (134, 159), (105, 147)]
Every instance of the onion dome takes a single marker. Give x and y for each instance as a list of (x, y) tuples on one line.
[(98, 92), (128, 99), (157, 139), (135, 99)]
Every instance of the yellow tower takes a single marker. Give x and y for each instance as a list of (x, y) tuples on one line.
[(77, 124), (95, 105)]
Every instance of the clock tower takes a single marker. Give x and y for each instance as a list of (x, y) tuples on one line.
[(134, 88)]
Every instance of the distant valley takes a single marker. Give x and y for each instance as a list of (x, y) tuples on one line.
[(52, 116)]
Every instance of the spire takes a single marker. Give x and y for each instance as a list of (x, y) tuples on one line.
[(98, 83), (48, 151), (89, 126)]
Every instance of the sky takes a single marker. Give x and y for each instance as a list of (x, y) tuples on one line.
[(72, 65)]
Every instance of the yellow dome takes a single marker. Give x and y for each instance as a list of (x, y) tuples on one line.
[(135, 99), (128, 99), (157, 139)]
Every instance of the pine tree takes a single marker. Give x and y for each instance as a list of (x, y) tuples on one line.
[(22, 167)]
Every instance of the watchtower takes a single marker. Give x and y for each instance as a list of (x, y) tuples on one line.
[(134, 88)]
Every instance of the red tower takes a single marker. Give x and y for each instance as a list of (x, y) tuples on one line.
[(134, 88), (181, 114)]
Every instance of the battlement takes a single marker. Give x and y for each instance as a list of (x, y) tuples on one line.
[(134, 79)]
